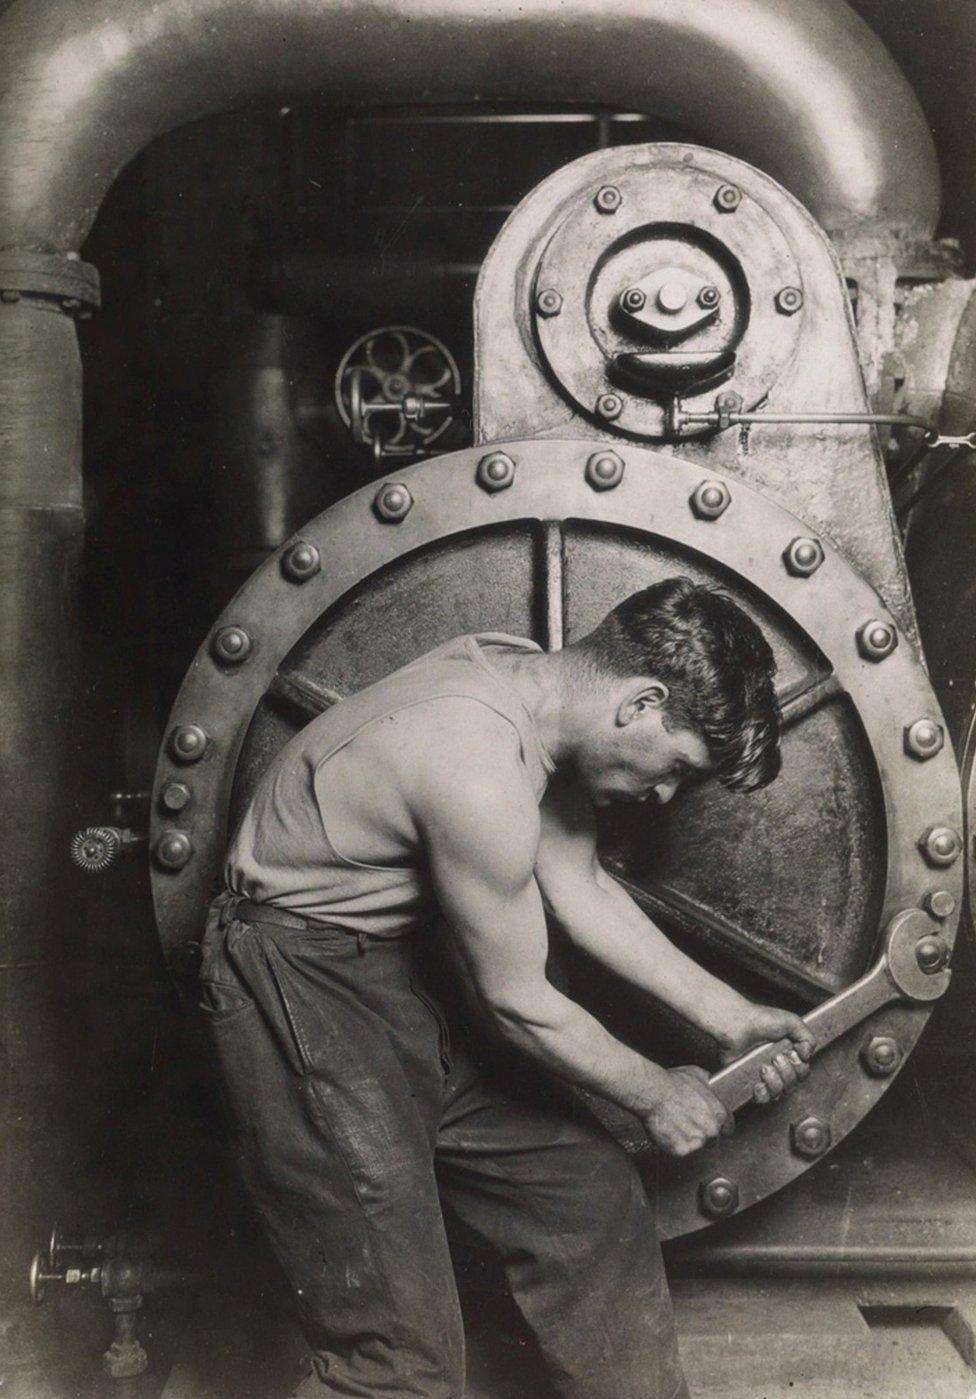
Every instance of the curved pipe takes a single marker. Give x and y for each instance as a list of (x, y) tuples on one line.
[(801, 88)]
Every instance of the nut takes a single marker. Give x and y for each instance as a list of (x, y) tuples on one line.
[(609, 406), (875, 640), (710, 500), (708, 298), (230, 646), (810, 1138), (718, 1197), (940, 845), (300, 561), (803, 557), (173, 850), (633, 299), (789, 300), (175, 796), (495, 472), (548, 303), (940, 903), (881, 1056), (924, 739), (932, 953), (604, 470), (607, 199), (727, 199), (187, 743), (392, 502)]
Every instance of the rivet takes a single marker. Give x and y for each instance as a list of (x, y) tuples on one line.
[(392, 502), (727, 199), (708, 298), (173, 850), (789, 300), (931, 953), (924, 739), (881, 1056), (604, 470), (609, 406), (718, 1197), (940, 903), (187, 743), (495, 472), (810, 1138), (300, 561), (710, 499), (10, 295), (175, 796), (875, 640), (230, 645), (940, 845), (607, 199), (548, 303), (803, 557)]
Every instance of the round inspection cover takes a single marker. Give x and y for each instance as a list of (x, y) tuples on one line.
[(785, 892)]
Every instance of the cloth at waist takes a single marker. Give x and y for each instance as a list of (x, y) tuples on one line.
[(239, 906)]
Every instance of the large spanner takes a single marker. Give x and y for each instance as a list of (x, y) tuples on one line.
[(911, 967)]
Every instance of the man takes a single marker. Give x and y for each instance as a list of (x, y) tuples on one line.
[(458, 794)]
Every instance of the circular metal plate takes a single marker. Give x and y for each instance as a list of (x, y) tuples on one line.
[(653, 501)]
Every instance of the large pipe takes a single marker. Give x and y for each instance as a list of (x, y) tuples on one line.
[(801, 88)]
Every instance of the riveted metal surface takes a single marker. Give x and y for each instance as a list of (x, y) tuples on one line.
[(881, 1056), (718, 1197), (810, 1137), (604, 470), (803, 557), (650, 506), (495, 472), (924, 739), (300, 561), (594, 261)]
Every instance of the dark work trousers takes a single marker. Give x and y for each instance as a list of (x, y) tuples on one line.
[(357, 1120)]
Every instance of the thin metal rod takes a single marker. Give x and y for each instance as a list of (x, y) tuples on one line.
[(925, 1262), (797, 701), (303, 693), (876, 419), (551, 582)]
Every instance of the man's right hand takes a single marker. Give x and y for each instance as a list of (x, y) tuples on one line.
[(686, 1113)]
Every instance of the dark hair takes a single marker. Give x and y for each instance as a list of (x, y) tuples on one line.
[(716, 663)]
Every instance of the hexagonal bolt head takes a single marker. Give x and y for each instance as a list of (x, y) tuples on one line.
[(609, 406), (175, 796), (173, 850), (604, 470), (710, 500), (709, 297), (300, 562), (718, 1197), (932, 953), (924, 739), (940, 903), (881, 1056), (803, 557), (810, 1138), (392, 503), (495, 472), (727, 199), (789, 300), (230, 646), (187, 743), (875, 640), (941, 846), (548, 303), (607, 199), (633, 299)]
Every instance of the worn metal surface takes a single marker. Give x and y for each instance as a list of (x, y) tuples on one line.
[(531, 380), (466, 558)]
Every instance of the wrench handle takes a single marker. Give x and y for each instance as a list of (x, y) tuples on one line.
[(734, 1084)]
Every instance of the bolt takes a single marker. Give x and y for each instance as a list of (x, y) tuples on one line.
[(173, 850), (709, 297), (875, 640), (789, 300), (10, 295), (727, 199), (940, 845), (604, 470), (496, 472), (609, 406), (924, 739), (710, 499), (300, 562), (187, 743), (932, 953), (803, 557), (607, 199), (718, 1197), (548, 303), (392, 502), (672, 298), (175, 796), (940, 903), (810, 1138), (881, 1056), (632, 299), (230, 645)]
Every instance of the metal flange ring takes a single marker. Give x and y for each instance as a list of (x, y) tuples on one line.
[(549, 495)]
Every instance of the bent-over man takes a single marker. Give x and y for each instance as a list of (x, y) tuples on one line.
[(458, 794)]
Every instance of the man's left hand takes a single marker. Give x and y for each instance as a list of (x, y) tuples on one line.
[(765, 1025)]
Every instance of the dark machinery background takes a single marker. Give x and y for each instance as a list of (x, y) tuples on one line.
[(250, 262)]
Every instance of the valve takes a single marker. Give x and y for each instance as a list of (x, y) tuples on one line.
[(97, 848)]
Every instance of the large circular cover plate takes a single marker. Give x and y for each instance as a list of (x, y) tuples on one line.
[(783, 892)]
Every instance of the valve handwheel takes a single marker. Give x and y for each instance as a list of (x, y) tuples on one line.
[(390, 368)]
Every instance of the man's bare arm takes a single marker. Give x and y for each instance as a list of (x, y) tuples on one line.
[(479, 823), (599, 916)]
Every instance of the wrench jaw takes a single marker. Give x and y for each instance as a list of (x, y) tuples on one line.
[(906, 932)]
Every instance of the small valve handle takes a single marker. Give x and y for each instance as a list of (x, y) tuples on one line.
[(38, 1277), (96, 848)]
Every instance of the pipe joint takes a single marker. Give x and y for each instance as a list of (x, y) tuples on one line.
[(51, 280)]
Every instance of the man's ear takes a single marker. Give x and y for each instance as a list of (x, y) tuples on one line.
[(649, 694)]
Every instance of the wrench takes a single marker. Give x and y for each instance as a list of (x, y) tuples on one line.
[(912, 942)]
